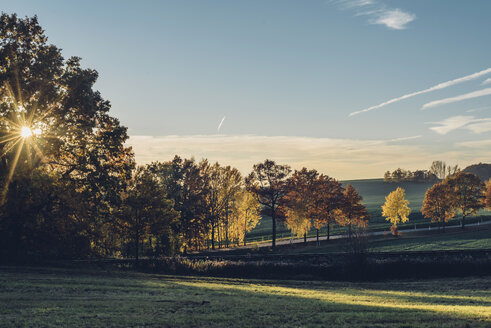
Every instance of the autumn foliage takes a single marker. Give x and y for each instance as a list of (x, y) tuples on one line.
[(396, 208)]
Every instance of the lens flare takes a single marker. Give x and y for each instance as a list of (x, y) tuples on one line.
[(25, 132)]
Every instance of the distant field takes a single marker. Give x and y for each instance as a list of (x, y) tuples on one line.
[(456, 239), (61, 298), (373, 192)]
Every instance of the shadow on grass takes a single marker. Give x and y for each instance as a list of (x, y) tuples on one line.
[(63, 298)]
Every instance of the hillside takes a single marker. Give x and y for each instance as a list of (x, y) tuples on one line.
[(482, 170)]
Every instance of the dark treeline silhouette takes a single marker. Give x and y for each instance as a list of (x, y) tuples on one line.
[(400, 175), (439, 170), (71, 188)]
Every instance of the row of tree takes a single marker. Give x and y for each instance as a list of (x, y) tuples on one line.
[(71, 187), (439, 170), (461, 193)]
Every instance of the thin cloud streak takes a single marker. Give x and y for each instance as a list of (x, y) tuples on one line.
[(340, 158), (433, 88), (220, 125), (487, 81), (466, 96), (405, 138)]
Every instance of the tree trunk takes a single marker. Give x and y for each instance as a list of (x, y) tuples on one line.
[(137, 244), (463, 221), (273, 217), (317, 232), (245, 227), (212, 236), (305, 238), (328, 231)]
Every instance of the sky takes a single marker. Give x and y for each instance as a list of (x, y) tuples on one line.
[(352, 88)]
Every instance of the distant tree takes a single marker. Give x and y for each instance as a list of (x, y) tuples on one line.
[(452, 170), (267, 182), (488, 194), (439, 203), (353, 212), (442, 170), (439, 168), (225, 183), (246, 214), (398, 175), (387, 176), (396, 208), (144, 211), (469, 193), (329, 199), (300, 201)]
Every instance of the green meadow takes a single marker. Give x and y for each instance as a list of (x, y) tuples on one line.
[(456, 239), (34, 297)]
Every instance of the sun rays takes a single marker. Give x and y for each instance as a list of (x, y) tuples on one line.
[(20, 133)]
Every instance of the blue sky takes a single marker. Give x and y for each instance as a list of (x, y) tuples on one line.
[(286, 75)]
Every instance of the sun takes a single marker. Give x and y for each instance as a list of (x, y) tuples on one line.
[(25, 132)]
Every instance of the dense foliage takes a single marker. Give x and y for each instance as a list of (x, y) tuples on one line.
[(462, 192)]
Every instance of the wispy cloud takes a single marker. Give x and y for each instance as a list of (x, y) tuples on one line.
[(487, 81), (405, 138), (395, 19), (378, 13), (433, 88), (220, 125), (476, 125), (470, 95), (340, 158)]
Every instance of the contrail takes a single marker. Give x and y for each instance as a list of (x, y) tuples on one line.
[(470, 95), (220, 125), (433, 88)]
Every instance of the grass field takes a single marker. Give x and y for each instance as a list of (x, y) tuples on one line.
[(456, 239), (373, 192), (55, 298)]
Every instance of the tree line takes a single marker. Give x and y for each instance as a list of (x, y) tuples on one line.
[(439, 170), (461, 192), (71, 188)]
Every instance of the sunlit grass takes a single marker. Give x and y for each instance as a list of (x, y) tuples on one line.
[(53, 298)]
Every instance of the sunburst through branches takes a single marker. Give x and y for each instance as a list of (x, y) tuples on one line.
[(19, 130)]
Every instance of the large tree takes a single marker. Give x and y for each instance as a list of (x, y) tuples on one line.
[(245, 215), (468, 190), (52, 119), (329, 199), (300, 202), (488, 194), (439, 203), (186, 184), (396, 209), (145, 212), (267, 182), (224, 185), (352, 212)]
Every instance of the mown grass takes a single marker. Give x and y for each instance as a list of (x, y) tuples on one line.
[(55, 298), (454, 239)]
